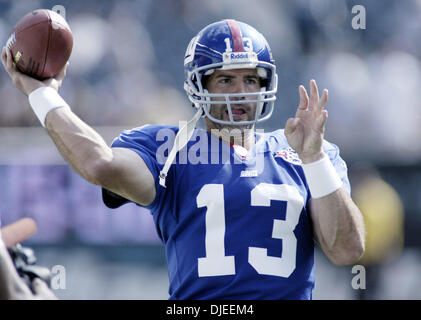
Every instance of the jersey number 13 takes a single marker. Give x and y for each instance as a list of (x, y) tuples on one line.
[(216, 263)]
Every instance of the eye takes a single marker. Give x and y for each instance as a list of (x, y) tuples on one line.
[(225, 80), (251, 81)]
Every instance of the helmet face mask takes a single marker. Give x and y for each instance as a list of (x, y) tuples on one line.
[(229, 45)]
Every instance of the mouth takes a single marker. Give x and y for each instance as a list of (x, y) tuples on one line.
[(238, 113)]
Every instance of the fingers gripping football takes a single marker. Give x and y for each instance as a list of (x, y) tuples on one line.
[(23, 82)]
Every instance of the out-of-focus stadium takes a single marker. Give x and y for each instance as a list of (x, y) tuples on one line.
[(126, 70)]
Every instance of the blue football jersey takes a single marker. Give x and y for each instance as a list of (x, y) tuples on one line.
[(235, 224)]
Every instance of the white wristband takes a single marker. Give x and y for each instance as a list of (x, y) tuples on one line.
[(322, 178), (43, 100)]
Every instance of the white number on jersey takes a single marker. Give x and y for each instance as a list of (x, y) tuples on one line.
[(215, 263)]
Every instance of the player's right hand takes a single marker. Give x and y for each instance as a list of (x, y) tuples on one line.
[(25, 83)]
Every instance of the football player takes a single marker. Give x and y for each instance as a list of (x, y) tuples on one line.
[(238, 210)]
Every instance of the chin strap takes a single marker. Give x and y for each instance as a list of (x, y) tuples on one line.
[(183, 136)]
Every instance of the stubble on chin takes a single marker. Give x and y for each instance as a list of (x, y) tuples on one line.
[(231, 134)]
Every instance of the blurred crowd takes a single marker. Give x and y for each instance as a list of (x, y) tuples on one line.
[(66, 207)]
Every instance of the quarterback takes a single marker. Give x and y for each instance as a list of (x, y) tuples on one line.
[(242, 221)]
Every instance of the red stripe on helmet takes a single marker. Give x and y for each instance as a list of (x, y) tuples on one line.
[(236, 35)]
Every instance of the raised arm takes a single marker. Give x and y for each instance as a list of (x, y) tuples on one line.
[(119, 170), (337, 222)]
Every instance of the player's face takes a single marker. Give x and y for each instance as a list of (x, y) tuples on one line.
[(234, 81)]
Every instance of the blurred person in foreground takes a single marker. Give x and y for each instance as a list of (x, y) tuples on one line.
[(12, 287), (242, 227)]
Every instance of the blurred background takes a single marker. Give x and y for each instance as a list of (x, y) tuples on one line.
[(126, 70)]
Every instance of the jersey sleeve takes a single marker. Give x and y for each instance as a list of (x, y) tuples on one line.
[(341, 168), (329, 148), (144, 142)]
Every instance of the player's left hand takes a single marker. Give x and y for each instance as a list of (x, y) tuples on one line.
[(305, 132)]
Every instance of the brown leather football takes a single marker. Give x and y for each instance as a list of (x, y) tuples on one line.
[(41, 44)]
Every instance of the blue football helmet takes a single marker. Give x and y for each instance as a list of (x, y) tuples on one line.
[(225, 45)]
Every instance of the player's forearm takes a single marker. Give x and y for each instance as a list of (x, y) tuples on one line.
[(339, 227), (80, 145)]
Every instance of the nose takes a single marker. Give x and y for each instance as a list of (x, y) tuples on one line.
[(239, 87)]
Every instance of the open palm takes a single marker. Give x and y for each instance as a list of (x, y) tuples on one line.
[(305, 132)]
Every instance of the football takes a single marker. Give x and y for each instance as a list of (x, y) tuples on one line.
[(41, 44)]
